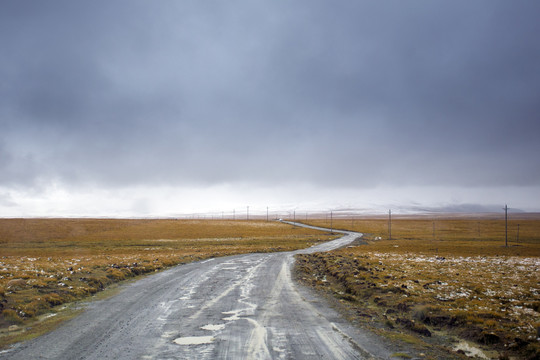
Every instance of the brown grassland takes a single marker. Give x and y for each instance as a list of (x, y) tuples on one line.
[(45, 263), (447, 283)]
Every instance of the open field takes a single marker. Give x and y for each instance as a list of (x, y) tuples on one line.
[(457, 286), (48, 262)]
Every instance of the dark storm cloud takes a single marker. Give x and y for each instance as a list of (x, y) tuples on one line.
[(135, 92)]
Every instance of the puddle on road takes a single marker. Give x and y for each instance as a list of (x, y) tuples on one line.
[(168, 334), (211, 327), (235, 315), (194, 340)]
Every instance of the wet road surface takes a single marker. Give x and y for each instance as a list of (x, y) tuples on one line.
[(239, 307)]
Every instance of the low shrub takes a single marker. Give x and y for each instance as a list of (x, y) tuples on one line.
[(413, 326), (36, 307), (53, 299), (11, 316), (421, 313), (98, 283)]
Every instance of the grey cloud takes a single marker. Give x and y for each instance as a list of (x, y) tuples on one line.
[(131, 92)]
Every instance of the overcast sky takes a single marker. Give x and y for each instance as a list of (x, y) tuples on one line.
[(137, 108)]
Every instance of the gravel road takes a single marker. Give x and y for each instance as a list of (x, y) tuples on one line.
[(239, 307)]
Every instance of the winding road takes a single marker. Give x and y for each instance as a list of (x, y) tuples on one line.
[(239, 307)]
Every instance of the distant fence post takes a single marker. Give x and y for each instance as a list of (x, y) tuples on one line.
[(505, 225)]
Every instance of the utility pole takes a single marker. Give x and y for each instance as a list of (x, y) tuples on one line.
[(247, 216), (517, 235), (331, 227), (390, 224), (267, 214), (234, 214), (505, 225), (433, 238)]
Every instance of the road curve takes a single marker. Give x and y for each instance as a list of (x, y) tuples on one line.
[(238, 307)]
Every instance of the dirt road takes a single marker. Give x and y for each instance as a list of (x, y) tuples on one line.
[(240, 307)]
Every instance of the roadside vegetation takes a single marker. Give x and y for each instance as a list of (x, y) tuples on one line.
[(45, 263), (446, 283)]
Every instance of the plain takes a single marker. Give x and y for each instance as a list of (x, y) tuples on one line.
[(459, 282)]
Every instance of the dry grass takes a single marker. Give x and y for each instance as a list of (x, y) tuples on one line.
[(440, 229), (48, 262), (462, 284)]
